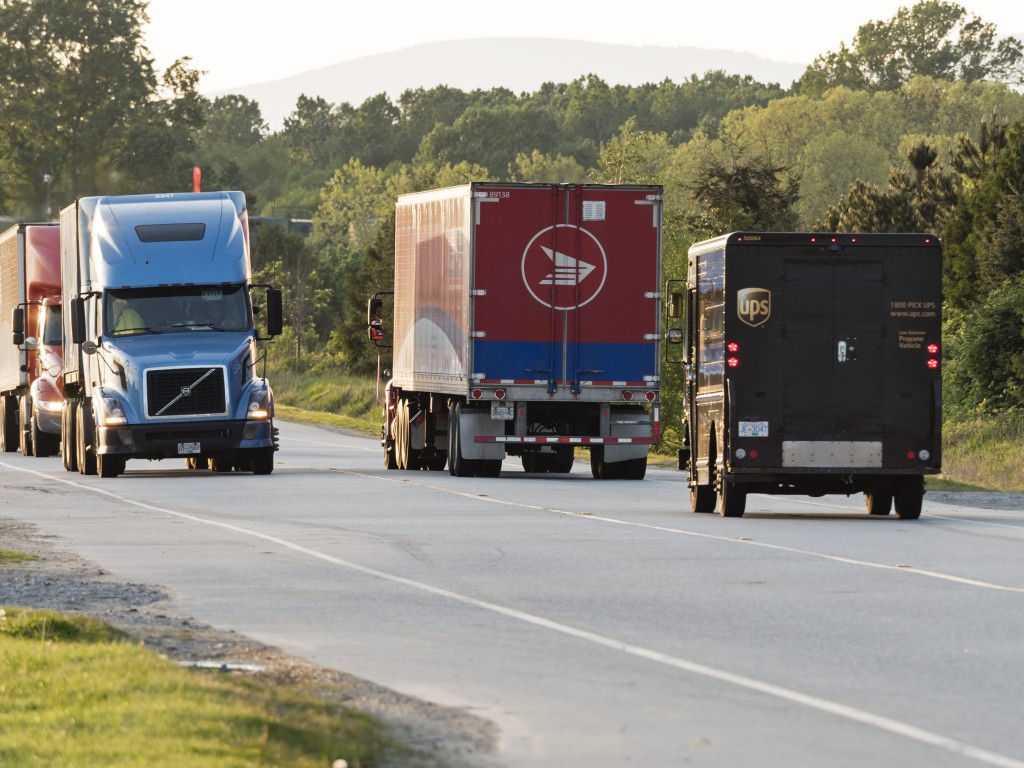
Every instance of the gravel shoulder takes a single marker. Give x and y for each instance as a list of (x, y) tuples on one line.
[(59, 580)]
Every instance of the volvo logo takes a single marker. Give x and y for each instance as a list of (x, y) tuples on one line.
[(754, 305), (186, 391)]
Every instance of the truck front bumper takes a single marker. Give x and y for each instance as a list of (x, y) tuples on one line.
[(185, 439)]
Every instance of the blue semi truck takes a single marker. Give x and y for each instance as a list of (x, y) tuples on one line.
[(160, 344)]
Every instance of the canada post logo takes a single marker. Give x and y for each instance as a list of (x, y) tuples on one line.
[(564, 267), (754, 305)]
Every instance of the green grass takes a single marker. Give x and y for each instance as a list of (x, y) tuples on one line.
[(12, 556), (73, 691), (980, 454)]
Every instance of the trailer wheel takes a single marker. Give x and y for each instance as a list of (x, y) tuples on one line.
[(878, 502), (68, 441), (909, 497), (633, 469), (458, 466), (25, 425), (407, 457), (85, 431), (8, 424)]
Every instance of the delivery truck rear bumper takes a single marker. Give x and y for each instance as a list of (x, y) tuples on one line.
[(817, 481), (184, 439)]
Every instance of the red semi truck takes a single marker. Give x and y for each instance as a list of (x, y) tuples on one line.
[(526, 322), (31, 353)]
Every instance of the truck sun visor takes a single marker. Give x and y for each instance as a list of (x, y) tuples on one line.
[(167, 233)]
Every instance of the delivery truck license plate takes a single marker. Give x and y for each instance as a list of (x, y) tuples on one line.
[(503, 411), (187, 448), (753, 429)]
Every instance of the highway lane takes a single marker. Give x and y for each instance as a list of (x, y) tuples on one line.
[(598, 623)]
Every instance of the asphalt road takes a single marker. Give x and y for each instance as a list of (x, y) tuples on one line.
[(598, 623)]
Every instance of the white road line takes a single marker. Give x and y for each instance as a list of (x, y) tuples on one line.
[(854, 714)]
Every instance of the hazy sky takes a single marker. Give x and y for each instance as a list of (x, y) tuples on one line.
[(241, 43)]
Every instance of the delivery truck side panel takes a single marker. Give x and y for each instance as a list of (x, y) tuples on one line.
[(815, 367), (525, 313)]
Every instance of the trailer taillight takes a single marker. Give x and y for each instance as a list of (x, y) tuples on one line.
[(627, 395), (500, 394), (477, 394)]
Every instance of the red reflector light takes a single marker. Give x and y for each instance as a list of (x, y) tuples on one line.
[(733, 346), (627, 395), (650, 397), (732, 362), (933, 363), (911, 454), (933, 349), (753, 453), (477, 394), (500, 394)]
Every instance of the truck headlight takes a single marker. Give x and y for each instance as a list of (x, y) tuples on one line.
[(113, 412), (50, 406), (259, 405)]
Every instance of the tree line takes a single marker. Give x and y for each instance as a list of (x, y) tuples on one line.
[(917, 125)]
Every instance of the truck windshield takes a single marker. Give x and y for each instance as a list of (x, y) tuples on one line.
[(172, 309)]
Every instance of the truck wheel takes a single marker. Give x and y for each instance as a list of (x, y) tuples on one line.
[(878, 502), (598, 467), (702, 497), (220, 464), (633, 469), (262, 461), (108, 465), (8, 423), (488, 467), (402, 434), (68, 443), (86, 434), (562, 461), (732, 499), (43, 443), (458, 466), (25, 425), (909, 497)]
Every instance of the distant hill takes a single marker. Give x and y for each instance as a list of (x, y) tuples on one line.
[(519, 64)]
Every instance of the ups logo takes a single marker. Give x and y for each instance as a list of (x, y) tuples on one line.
[(754, 305)]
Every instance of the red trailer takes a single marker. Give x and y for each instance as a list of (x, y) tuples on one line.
[(31, 355), (526, 322)]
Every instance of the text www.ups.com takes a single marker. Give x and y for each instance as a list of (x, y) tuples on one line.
[(914, 315)]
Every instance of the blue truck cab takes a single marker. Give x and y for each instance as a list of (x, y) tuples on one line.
[(161, 324)]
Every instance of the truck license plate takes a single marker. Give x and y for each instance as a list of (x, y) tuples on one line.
[(503, 411), (753, 429), (187, 448)]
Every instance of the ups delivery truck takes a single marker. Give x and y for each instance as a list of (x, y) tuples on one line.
[(812, 366)]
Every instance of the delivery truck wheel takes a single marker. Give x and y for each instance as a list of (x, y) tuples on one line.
[(261, 460), (25, 425), (85, 432), (909, 497), (702, 498), (8, 424), (732, 498), (878, 502), (68, 444)]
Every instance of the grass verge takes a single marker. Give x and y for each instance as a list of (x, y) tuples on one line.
[(75, 692)]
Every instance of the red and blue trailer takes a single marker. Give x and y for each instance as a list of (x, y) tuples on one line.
[(526, 322)]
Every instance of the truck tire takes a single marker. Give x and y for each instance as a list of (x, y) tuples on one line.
[(43, 443), (458, 466), (599, 468), (8, 423), (732, 498), (25, 425), (633, 469), (488, 467), (878, 502), (85, 432), (407, 457), (702, 497), (909, 497), (261, 461), (109, 465), (68, 443)]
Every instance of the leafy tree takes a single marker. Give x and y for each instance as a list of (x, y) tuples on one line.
[(311, 131), (633, 157), (932, 38), (539, 167), (72, 75)]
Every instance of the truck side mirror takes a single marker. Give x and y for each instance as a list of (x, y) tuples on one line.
[(676, 305), (78, 320), (18, 324), (275, 312), (375, 319)]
